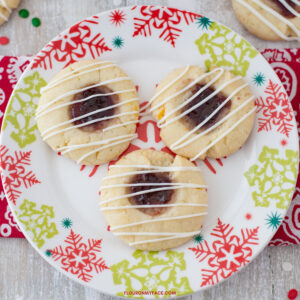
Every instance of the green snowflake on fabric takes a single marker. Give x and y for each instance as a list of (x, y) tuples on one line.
[(273, 178), (226, 49), (37, 221), (273, 220), (259, 79), (66, 223), (21, 110), (198, 238), (118, 42), (151, 272), (203, 23)]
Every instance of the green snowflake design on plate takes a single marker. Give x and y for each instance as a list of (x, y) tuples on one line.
[(21, 110), (151, 272), (273, 220), (226, 49), (118, 42), (37, 221), (198, 238), (273, 178), (204, 23), (259, 79), (66, 223)]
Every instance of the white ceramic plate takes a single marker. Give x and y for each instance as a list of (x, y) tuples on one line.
[(56, 201)]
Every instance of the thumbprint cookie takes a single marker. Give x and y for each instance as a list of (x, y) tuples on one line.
[(203, 114), (270, 19), (89, 112), (6, 8), (154, 201)]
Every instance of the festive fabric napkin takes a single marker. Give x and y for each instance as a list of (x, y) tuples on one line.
[(286, 63)]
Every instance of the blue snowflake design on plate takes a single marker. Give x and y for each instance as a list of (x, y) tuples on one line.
[(259, 79), (273, 220), (66, 223), (118, 42), (204, 23), (198, 238)]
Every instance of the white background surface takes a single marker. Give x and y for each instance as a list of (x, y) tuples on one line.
[(24, 274)]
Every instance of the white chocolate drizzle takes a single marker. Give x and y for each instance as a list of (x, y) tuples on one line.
[(103, 144), (220, 70), (275, 14), (81, 125), (38, 115), (105, 147), (196, 105), (74, 92), (157, 169), (175, 146), (66, 149), (225, 133), (187, 139), (158, 220), (153, 206), (288, 7), (74, 73), (167, 188), (166, 87), (3, 17), (4, 4), (161, 186)]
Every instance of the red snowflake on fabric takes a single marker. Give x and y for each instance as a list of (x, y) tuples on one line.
[(117, 17), (275, 109), (164, 19), (14, 173), (72, 46), (79, 258), (227, 253)]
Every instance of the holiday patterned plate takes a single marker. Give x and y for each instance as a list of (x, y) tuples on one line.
[(55, 201)]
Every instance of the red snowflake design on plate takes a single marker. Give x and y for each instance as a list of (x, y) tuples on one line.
[(117, 17), (148, 134), (72, 46), (227, 254), (79, 258), (14, 173), (275, 109), (212, 164), (164, 19), (93, 171)]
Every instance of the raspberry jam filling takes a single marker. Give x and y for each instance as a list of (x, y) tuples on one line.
[(199, 114), (91, 105), (155, 198), (284, 11)]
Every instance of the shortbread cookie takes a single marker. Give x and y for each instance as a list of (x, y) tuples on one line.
[(6, 7), (270, 19), (164, 218), (203, 114), (88, 112)]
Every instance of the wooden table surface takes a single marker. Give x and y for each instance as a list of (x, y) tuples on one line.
[(24, 275)]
